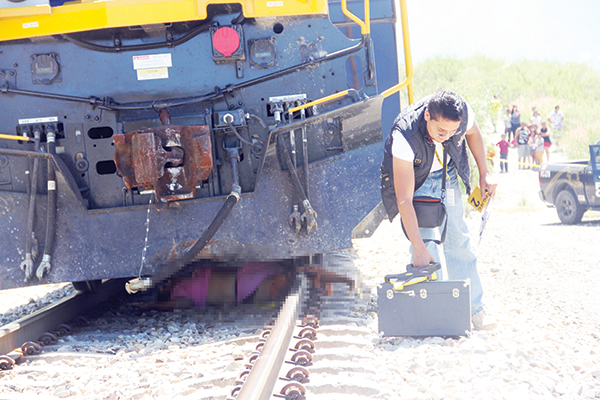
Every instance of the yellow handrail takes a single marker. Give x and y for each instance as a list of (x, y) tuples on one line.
[(365, 27), (15, 137), (407, 59), (319, 101)]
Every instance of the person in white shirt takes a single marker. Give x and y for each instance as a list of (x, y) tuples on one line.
[(536, 119), (413, 166), (556, 119)]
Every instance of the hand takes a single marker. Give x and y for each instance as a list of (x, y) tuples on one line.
[(487, 185), (422, 257)]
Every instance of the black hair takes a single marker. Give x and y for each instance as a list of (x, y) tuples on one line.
[(446, 104)]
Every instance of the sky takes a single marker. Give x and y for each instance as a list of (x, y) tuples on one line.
[(555, 30)]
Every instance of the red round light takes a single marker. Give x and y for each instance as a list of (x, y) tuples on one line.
[(226, 41)]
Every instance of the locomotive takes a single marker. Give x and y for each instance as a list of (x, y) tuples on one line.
[(139, 137)]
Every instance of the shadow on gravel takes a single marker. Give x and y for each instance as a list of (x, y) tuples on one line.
[(590, 222), (585, 223)]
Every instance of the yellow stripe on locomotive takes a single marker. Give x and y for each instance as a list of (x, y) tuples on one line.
[(21, 20)]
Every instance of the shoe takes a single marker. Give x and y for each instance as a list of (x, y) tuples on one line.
[(483, 322)]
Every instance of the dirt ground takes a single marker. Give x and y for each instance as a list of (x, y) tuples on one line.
[(540, 281)]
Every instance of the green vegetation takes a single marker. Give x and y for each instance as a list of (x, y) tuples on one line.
[(544, 84)]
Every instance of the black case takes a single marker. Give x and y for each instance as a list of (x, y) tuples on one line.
[(432, 308)]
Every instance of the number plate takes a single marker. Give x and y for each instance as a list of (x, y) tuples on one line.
[(476, 201)]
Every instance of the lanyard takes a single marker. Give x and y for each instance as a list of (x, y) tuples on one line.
[(444, 172), (438, 158), (443, 164)]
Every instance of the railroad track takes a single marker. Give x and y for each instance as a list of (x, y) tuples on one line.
[(217, 354), (327, 356), (26, 335)]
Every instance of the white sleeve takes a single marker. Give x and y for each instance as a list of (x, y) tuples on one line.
[(400, 147), (470, 117)]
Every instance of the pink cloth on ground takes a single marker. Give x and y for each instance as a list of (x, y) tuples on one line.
[(252, 274), (194, 288)]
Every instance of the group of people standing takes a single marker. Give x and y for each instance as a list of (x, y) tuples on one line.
[(532, 140)]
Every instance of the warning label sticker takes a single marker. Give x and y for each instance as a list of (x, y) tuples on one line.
[(154, 73), (41, 120), (152, 61)]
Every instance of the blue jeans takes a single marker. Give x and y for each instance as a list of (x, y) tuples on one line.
[(461, 262), (503, 164)]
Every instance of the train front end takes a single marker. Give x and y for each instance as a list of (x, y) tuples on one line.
[(133, 131)]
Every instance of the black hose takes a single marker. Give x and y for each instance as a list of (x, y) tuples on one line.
[(309, 215), (32, 199), (305, 160), (28, 188), (31, 211), (165, 271), (233, 128), (74, 38), (27, 265), (291, 167), (258, 147), (260, 121), (51, 220), (46, 265)]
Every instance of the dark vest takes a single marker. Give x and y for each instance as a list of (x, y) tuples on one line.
[(412, 125)]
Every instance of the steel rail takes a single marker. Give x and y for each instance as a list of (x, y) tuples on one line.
[(263, 376), (46, 319)]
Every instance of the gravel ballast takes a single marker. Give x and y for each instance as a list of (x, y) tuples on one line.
[(541, 281)]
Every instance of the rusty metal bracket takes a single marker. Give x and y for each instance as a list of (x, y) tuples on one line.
[(169, 159)]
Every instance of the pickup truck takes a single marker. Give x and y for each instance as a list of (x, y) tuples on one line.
[(573, 187)]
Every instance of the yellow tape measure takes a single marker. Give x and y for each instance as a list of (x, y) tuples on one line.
[(476, 201)]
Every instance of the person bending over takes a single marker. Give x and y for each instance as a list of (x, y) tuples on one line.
[(412, 166)]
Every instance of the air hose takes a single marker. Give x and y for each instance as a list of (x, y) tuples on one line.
[(309, 215), (259, 119), (30, 255), (167, 269), (45, 266)]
